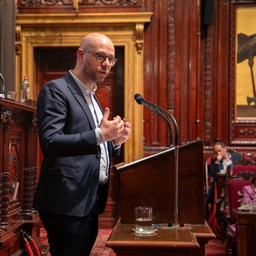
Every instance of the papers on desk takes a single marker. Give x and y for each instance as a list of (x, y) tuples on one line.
[(245, 208)]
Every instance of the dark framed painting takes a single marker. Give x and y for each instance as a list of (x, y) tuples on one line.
[(245, 72), (242, 100)]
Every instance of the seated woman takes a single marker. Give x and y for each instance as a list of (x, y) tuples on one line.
[(249, 191), (248, 196)]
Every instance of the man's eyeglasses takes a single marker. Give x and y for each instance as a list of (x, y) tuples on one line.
[(100, 57)]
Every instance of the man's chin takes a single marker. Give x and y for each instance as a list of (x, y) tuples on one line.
[(100, 79)]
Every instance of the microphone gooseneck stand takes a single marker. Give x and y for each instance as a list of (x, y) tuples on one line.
[(140, 100), (158, 110)]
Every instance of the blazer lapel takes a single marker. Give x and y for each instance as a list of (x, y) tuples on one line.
[(75, 90)]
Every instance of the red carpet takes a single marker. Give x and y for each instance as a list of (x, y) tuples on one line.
[(99, 248), (213, 248)]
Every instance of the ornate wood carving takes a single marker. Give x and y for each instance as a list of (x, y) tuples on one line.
[(76, 2), (139, 36), (14, 171), (30, 181), (79, 6), (5, 199), (151, 87), (171, 56), (7, 115), (182, 73), (207, 84), (17, 40)]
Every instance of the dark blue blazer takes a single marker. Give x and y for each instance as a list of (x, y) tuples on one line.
[(69, 177), (215, 168)]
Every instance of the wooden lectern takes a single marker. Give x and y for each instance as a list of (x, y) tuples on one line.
[(154, 181)]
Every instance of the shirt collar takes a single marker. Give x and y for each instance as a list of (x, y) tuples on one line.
[(82, 86)]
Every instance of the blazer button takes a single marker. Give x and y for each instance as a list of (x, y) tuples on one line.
[(98, 155)]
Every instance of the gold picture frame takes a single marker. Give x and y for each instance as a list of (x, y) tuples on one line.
[(245, 69), (242, 97)]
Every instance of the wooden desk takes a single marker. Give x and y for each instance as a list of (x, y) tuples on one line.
[(246, 232), (166, 242)]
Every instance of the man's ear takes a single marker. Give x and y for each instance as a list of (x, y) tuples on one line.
[(80, 55)]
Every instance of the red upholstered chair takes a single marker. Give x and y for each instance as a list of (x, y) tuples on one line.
[(242, 166), (248, 156), (232, 201)]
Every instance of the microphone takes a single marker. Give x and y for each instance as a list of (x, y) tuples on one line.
[(158, 110), (139, 99)]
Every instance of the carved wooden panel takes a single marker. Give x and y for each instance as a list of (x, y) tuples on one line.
[(14, 171), (79, 6), (171, 76), (17, 186)]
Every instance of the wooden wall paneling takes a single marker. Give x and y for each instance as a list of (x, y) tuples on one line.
[(156, 123), (158, 37), (154, 51), (186, 65), (179, 67), (214, 75), (171, 70), (221, 68), (148, 75), (7, 44), (161, 71), (200, 97), (170, 80), (177, 59), (192, 18), (155, 73)]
